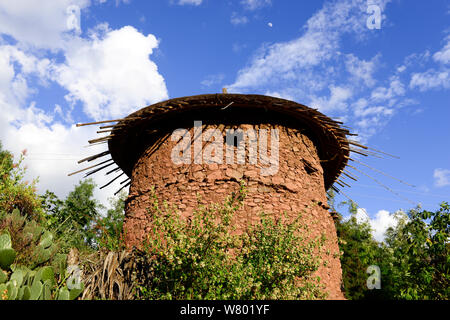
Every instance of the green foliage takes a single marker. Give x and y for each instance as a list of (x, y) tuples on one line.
[(109, 228), (201, 257), (52, 206), (77, 220), (413, 259), (6, 160), (16, 193), (73, 220), (38, 284), (7, 253), (418, 256), (359, 251), (32, 242)]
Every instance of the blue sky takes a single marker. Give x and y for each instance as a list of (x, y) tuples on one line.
[(73, 61)]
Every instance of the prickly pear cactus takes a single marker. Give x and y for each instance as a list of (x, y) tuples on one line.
[(40, 284), (7, 253), (18, 282), (29, 234)]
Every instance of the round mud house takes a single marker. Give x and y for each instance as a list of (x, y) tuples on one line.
[(201, 148)]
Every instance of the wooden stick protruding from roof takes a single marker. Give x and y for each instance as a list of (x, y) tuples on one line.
[(91, 158), (104, 186), (104, 121), (101, 139), (97, 170), (355, 143), (95, 165), (122, 188)]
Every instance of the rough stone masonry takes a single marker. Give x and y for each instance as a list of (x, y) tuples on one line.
[(311, 152), (297, 186)]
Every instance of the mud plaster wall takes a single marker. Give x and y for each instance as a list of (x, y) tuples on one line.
[(298, 186)]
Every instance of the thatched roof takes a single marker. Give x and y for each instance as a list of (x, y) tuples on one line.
[(134, 134)]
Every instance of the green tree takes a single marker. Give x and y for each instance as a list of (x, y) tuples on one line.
[(109, 228), (358, 251), (6, 160), (413, 258), (15, 193), (51, 204), (74, 218), (418, 266)]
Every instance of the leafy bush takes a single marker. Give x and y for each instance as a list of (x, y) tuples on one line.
[(16, 193), (200, 258)]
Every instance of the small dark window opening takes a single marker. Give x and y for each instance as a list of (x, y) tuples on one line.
[(234, 139)]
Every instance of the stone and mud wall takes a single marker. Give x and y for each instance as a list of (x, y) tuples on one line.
[(297, 186)]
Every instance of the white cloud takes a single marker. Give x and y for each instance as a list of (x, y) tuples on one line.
[(434, 78), (40, 23), (111, 73), (373, 111), (52, 151), (279, 94), (390, 94), (382, 221), (442, 177), (443, 55), (255, 4), (117, 1), (16, 66), (370, 111), (337, 100), (237, 19), (431, 79), (190, 2), (213, 79), (293, 60), (53, 148), (362, 70), (279, 61), (417, 59), (362, 216), (401, 69), (313, 66)]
